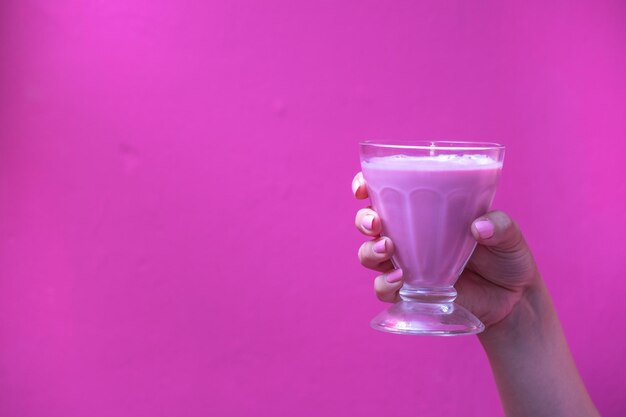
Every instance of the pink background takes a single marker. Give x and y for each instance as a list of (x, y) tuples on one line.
[(176, 222)]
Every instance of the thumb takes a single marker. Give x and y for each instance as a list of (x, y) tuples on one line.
[(499, 232)]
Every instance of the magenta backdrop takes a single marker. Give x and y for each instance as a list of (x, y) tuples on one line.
[(176, 222)]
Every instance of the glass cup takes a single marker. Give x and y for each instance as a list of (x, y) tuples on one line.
[(427, 194)]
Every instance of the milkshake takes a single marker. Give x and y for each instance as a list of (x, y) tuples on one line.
[(427, 198), (427, 204)]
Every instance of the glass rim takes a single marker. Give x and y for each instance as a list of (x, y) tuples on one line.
[(450, 145)]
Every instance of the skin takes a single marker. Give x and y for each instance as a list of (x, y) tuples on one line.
[(523, 339)]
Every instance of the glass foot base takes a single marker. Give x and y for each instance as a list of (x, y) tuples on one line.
[(428, 319)]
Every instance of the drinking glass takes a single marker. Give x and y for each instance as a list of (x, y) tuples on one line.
[(427, 194)]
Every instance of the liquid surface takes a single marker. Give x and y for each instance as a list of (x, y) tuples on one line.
[(433, 163)]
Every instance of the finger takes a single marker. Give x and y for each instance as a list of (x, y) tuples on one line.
[(359, 189), (368, 222), (376, 253), (499, 232), (387, 286)]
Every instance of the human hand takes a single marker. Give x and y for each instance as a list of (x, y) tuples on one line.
[(527, 350), (499, 274)]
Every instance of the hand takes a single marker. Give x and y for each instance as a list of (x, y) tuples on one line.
[(498, 275), (531, 362)]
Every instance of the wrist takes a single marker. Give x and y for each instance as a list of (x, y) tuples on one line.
[(533, 367), (532, 313)]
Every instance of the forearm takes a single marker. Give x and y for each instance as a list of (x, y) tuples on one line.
[(533, 367)]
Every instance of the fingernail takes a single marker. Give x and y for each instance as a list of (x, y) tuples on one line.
[(367, 222), (355, 185), (394, 276), (484, 228), (380, 246)]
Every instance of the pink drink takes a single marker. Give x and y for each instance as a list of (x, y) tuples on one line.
[(427, 205)]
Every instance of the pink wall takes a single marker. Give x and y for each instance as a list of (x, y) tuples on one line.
[(176, 232)]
